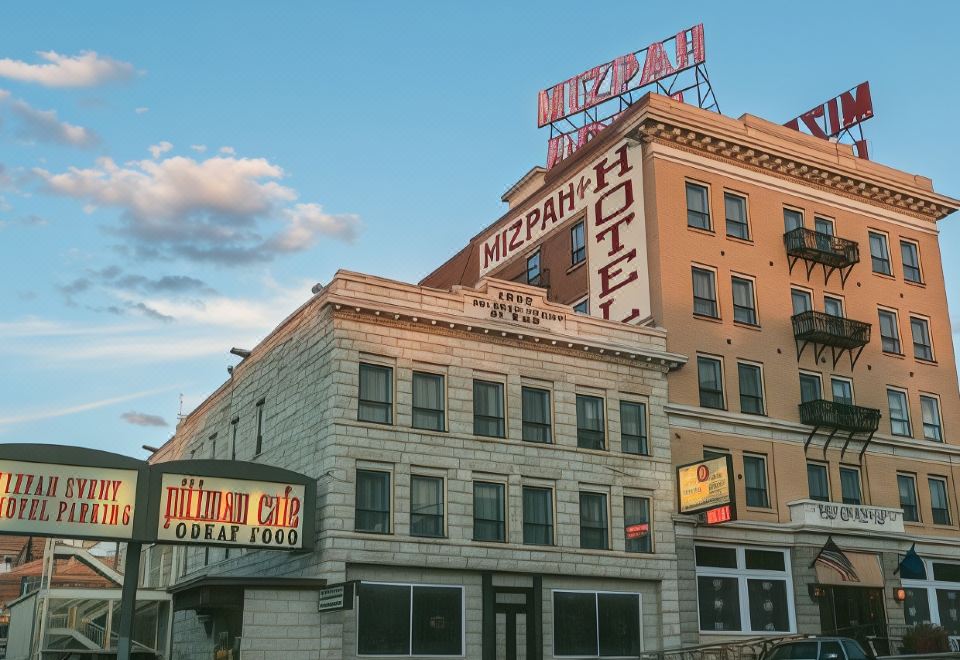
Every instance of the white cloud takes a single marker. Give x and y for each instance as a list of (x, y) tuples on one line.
[(222, 209), (141, 110), (229, 151), (87, 69), (48, 413), (308, 221), (45, 126), (199, 148), (158, 150), (143, 419)]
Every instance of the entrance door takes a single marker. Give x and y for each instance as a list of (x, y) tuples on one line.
[(511, 622), (511, 632), (855, 612)]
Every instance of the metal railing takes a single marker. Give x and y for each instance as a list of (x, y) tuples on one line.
[(822, 248), (830, 330), (840, 416)]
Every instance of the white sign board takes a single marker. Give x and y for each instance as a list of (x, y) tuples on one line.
[(607, 195), (230, 512), (846, 516), (66, 500)]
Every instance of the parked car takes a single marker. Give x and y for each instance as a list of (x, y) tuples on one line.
[(817, 648)]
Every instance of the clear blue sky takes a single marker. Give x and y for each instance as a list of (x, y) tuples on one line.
[(291, 139)]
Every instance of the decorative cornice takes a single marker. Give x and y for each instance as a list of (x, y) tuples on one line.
[(816, 175)]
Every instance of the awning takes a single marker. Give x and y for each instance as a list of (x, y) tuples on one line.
[(225, 592), (866, 571)]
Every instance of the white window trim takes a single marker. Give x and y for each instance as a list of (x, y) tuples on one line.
[(801, 289), (596, 604), (845, 379), (934, 397), (926, 320), (723, 378), (931, 586), (463, 619), (916, 245), (906, 399), (716, 290), (746, 212), (742, 575), (753, 294), (763, 387)]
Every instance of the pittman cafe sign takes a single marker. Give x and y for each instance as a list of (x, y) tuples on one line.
[(707, 487), (71, 492)]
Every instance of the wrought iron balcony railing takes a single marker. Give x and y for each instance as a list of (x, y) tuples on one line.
[(839, 416), (815, 247), (829, 330)]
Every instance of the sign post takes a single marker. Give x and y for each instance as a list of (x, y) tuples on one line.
[(57, 491)]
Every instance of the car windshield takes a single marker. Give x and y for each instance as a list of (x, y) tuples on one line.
[(854, 651), (795, 651)]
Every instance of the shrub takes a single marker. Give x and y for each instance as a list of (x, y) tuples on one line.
[(926, 638)]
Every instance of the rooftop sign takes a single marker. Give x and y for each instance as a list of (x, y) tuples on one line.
[(580, 107), (836, 117)]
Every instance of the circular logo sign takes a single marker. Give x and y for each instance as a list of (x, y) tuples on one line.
[(703, 472)]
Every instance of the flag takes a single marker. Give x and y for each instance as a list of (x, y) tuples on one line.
[(911, 566), (832, 556)]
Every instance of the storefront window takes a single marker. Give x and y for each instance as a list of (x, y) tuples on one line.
[(936, 600), (916, 607), (744, 589), (596, 624), (403, 619)]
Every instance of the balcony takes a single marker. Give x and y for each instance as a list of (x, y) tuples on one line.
[(813, 247), (825, 330), (839, 417)]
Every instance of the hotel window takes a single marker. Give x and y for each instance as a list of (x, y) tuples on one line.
[(582, 307), (698, 207), (899, 412), (842, 390), (373, 502), (489, 513), (488, 409), (792, 219), (536, 414), (426, 506), (755, 480), (428, 397), (833, 306), (850, 485), (880, 254), (907, 487), (376, 394), (537, 516), (590, 427), (633, 428), (594, 533), (533, 268), (817, 482), (911, 262), (403, 619), (751, 388), (589, 624), (889, 332), (637, 524), (578, 249), (922, 348), (801, 301), (744, 590), (735, 207), (234, 423), (705, 292), (744, 301), (810, 387), (259, 446), (716, 452), (932, 426), (213, 445), (710, 376), (939, 501), (933, 596), (823, 226)]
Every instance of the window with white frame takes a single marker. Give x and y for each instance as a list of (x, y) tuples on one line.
[(698, 207), (939, 500), (578, 249), (934, 597), (911, 262), (705, 292), (801, 300), (742, 589), (932, 426), (889, 331), (735, 209), (409, 619), (633, 427), (879, 254), (792, 219), (922, 346), (899, 412), (426, 506), (592, 624), (744, 300), (582, 307)]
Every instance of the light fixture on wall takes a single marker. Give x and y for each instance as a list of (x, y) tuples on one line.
[(816, 591), (899, 594)]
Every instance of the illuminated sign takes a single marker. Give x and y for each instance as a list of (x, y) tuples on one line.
[(705, 485), (835, 118), (637, 531), (608, 197), (50, 499), (231, 512), (721, 515), (582, 106), (618, 76)]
